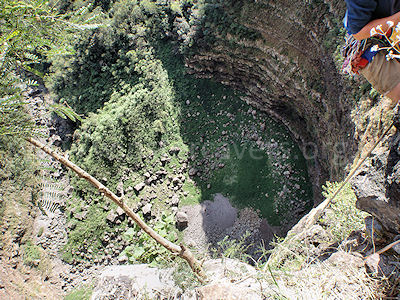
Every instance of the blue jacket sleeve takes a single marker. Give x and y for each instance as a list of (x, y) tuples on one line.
[(359, 13)]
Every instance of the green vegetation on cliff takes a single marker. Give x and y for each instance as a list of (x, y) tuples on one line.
[(130, 81), (162, 138), (31, 31)]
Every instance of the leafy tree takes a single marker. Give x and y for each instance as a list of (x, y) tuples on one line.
[(132, 123), (138, 115), (30, 31)]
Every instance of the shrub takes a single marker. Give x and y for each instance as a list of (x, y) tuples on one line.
[(120, 134), (31, 254), (344, 217), (144, 249)]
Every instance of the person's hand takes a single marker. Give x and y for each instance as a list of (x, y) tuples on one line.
[(388, 104)]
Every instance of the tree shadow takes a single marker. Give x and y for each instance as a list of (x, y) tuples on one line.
[(229, 158)]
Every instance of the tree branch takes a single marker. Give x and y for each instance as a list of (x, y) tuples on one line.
[(181, 251)]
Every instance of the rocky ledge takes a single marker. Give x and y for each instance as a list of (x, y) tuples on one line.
[(377, 184)]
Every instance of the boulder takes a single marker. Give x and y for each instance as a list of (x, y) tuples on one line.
[(81, 215), (150, 180), (174, 150), (120, 212), (69, 189), (70, 225), (120, 188), (176, 181), (135, 282), (182, 220), (139, 187), (241, 283), (112, 216), (175, 200), (164, 160), (146, 209), (346, 260), (192, 172), (161, 173), (56, 140), (123, 259)]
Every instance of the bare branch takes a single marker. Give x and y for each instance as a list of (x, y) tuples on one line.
[(181, 251)]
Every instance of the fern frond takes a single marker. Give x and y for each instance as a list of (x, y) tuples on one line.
[(32, 58), (65, 112), (31, 82)]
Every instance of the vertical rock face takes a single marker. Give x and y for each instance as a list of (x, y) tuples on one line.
[(377, 186), (280, 55)]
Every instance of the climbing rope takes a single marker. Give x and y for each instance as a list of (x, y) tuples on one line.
[(315, 213), (360, 163), (308, 220)]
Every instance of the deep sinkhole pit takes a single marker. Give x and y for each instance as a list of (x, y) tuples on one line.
[(245, 155)]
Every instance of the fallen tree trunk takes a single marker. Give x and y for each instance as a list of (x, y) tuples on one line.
[(181, 250)]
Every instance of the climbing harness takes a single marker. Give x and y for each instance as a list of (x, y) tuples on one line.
[(352, 51), (358, 54)]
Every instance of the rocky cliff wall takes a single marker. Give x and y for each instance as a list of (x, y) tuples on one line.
[(377, 184), (281, 55)]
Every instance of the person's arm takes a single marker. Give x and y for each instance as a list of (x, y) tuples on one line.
[(365, 32)]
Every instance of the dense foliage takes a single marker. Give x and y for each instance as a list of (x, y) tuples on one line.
[(117, 80), (115, 74), (101, 64), (134, 121), (31, 31)]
